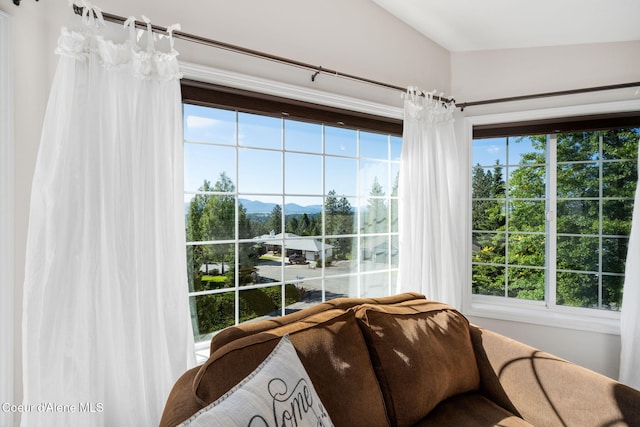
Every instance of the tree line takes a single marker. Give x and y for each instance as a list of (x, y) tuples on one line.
[(596, 179)]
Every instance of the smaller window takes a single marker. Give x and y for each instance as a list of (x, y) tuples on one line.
[(551, 212)]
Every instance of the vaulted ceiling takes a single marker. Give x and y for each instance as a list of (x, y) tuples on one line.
[(466, 25)]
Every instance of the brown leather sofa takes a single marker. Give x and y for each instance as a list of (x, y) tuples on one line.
[(407, 361)]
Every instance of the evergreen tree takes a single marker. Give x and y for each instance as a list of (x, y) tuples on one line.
[(275, 220), (376, 218)]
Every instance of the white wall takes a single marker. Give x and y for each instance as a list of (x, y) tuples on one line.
[(597, 351), (355, 37), (493, 74), (512, 72)]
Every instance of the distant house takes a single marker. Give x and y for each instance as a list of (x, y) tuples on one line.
[(311, 249)]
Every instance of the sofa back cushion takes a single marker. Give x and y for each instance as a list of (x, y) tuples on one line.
[(422, 354), (333, 352), (234, 332)]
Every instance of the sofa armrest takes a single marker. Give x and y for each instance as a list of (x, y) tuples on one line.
[(546, 390), (181, 403)]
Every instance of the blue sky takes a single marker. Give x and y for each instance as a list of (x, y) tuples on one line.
[(487, 151), (210, 150)]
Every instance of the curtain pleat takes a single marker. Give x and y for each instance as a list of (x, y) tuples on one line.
[(106, 326), (430, 194), (630, 311)]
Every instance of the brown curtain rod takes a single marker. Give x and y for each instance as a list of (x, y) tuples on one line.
[(255, 53), (464, 105), (319, 69)]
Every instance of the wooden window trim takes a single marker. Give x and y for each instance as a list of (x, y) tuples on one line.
[(556, 125), (211, 95)]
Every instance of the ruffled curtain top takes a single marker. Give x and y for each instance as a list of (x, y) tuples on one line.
[(148, 64)]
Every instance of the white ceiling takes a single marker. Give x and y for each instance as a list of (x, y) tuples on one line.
[(465, 25)]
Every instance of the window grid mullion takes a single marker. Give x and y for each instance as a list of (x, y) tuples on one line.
[(507, 218), (551, 221)]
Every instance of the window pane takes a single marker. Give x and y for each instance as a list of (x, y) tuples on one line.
[(374, 285), (614, 254), (488, 280), (310, 294), (303, 173), (259, 131), (396, 147), (249, 262), (259, 171), (621, 143), (616, 217), (577, 289), (526, 283), (527, 182), (578, 180), (527, 149), (340, 216), (301, 136), (260, 303), (202, 124), (341, 251), (394, 253), (487, 152), (488, 183), (395, 178), (619, 179), (394, 216), (526, 249), (488, 215), (203, 162), (375, 216), (340, 287), (578, 146), (489, 248), (374, 178), (374, 145), (259, 215), (340, 141), (209, 267), (612, 292), (303, 215), (578, 253), (341, 175), (376, 252), (211, 217), (578, 216), (527, 215), (211, 313)]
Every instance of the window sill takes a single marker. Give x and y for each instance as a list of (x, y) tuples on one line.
[(538, 314)]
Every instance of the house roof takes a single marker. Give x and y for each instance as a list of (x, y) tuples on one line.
[(293, 241)]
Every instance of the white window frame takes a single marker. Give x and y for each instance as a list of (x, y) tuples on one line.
[(536, 312), (226, 78), (7, 310)]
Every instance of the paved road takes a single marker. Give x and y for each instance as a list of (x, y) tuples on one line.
[(337, 281)]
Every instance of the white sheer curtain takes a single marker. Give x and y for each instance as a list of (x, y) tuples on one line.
[(630, 315), (431, 199), (106, 326)]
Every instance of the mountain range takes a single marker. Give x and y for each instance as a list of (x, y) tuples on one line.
[(257, 207)]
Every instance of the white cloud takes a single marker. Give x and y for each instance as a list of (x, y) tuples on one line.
[(200, 122), (493, 149)]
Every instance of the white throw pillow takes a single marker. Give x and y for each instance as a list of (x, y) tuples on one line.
[(278, 393)]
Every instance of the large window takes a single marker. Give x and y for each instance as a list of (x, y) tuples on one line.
[(282, 213), (551, 212)]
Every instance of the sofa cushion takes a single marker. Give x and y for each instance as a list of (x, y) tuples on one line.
[(278, 392), (422, 354), (471, 410), (333, 352), (234, 332)]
